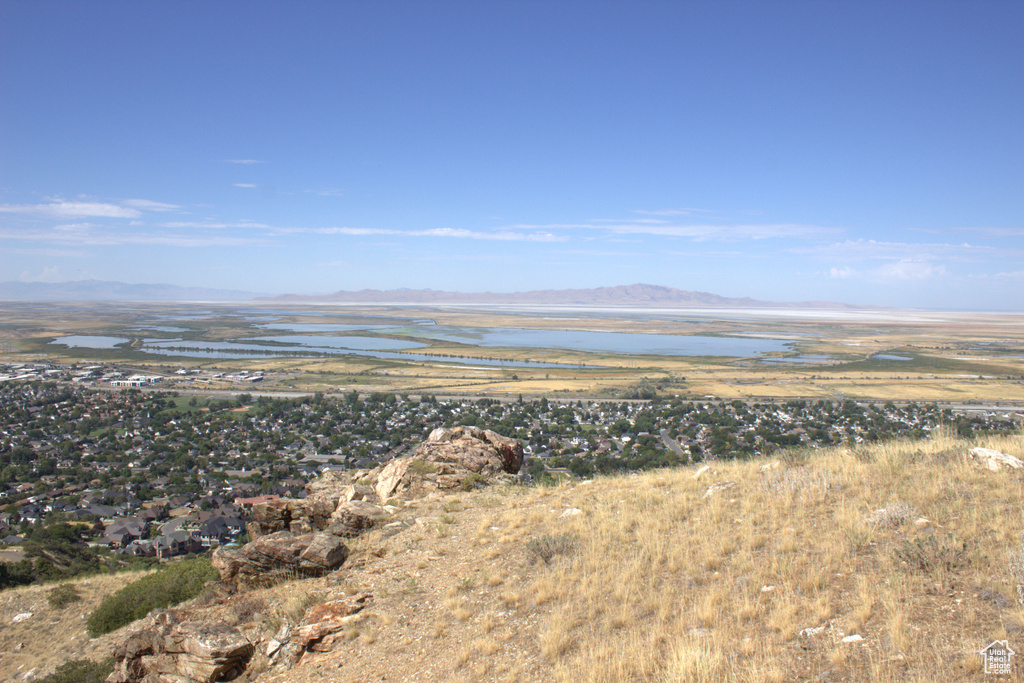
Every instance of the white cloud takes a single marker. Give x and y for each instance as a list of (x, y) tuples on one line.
[(904, 270), (247, 185), (871, 249), (82, 234), (214, 225), (908, 269), (699, 232), (64, 210), (49, 274), (455, 233), (1009, 275), (674, 212), (150, 205), (725, 233)]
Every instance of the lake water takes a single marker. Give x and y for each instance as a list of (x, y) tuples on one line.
[(360, 346), (84, 341), (317, 338), (609, 342)]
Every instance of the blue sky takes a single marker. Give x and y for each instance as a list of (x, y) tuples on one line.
[(864, 152)]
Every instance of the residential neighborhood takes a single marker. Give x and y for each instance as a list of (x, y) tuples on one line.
[(158, 474)]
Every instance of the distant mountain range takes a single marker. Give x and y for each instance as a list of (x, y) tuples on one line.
[(101, 290), (624, 295)]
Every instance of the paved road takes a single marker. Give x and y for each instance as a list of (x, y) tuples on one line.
[(672, 443)]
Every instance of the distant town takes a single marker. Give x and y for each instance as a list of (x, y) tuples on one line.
[(160, 473)]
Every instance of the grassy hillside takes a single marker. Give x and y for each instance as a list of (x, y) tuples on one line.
[(907, 545), (54, 633)]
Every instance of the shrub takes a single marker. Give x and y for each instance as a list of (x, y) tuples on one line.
[(931, 554), (169, 586), (892, 516), (422, 467), (471, 481), (546, 547), (81, 671), (63, 595)]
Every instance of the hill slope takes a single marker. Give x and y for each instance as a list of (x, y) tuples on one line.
[(682, 575), (657, 579)]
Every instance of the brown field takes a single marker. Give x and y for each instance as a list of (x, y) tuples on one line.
[(954, 357)]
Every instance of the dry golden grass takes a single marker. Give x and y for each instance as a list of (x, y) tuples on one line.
[(656, 582), (52, 636)]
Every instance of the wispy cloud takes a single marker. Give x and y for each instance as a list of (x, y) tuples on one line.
[(244, 162), (724, 233), (327, 192), (87, 235), (870, 249), (48, 274), (64, 210), (676, 212), (149, 205), (246, 185), (214, 225), (700, 232), (984, 232), (844, 273), (1008, 275), (910, 269), (451, 233), (904, 270)]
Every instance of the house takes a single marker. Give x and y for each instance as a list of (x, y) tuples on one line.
[(30, 513), (139, 548), (247, 503), (116, 538), (177, 543), (220, 530), (123, 531)]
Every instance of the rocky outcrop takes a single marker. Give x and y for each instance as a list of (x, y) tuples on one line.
[(449, 459), (167, 649), (322, 623), (353, 517), (347, 504), (280, 556), (994, 460), (478, 450), (294, 538)]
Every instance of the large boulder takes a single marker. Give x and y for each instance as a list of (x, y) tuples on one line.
[(353, 517), (168, 648), (280, 556), (306, 515), (993, 460), (448, 459), (478, 450), (322, 623), (345, 503)]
